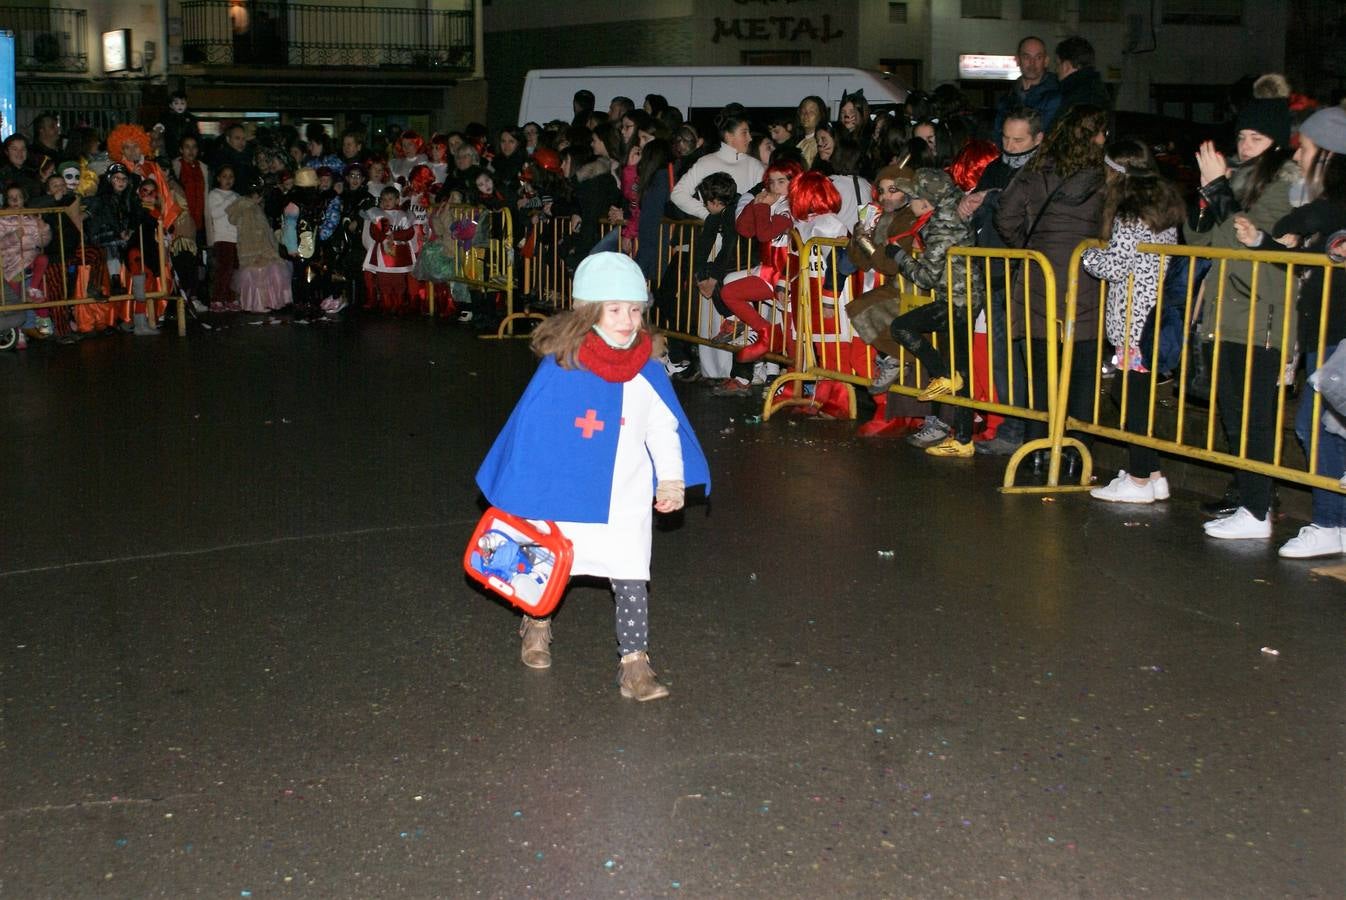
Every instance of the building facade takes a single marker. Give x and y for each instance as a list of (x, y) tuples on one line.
[(413, 63), (1176, 57)]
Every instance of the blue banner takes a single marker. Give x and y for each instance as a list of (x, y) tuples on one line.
[(8, 91)]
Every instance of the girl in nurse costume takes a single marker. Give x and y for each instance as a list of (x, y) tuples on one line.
[(597, 443)]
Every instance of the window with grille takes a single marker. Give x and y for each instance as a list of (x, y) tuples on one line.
[(1043, 10), (1100, 10), (1203, 12), (981, 9), (897, 12)]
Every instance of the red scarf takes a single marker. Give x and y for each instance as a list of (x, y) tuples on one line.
[(194, 186), (611, 363)]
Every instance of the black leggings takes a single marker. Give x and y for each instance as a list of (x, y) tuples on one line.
[(1141, 461), (1254, 489), (910, 330), (1080, 395)]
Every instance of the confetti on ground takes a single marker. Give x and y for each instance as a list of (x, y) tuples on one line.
[(1270, 651), (885, 554), (1048, 499)]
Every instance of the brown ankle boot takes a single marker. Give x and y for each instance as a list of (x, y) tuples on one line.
[(536, 634), (636, 678)]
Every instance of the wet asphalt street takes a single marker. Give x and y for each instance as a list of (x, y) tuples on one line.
[(238, 657)]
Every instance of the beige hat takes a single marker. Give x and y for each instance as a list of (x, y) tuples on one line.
[(306, 177)]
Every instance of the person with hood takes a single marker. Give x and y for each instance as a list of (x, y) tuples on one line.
[(1079, 82), (932, 192), (886, 221), (113, 216), (1051, 205)]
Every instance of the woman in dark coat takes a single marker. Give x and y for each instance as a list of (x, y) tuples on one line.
[(1055, 202)]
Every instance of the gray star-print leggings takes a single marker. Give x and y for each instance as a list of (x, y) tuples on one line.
[(633, 615)]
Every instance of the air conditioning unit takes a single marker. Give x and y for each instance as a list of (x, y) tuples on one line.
[(46, 47)]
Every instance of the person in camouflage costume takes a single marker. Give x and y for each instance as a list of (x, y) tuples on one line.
[(934, 190)]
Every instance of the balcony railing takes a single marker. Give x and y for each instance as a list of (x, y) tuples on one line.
[(264, 33), (47, 39)]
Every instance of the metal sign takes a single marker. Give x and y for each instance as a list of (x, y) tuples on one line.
[(117, 50), (985, 67)]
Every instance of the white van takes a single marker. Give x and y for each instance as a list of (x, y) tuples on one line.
[(700, 91)]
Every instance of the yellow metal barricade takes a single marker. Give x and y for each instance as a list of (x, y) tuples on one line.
[(821, 345), (68, 282), (546, 279), (478, 244), (830, 350), (1191, 431), (680, 311)]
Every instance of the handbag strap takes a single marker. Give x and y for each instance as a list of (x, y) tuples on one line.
[(1043, 211)]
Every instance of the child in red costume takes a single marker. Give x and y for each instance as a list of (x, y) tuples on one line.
[(390, 253)]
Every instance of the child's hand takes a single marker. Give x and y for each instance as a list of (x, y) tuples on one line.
[(706, 286), (668, 496)]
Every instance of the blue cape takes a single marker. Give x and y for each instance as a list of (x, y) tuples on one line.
[(542, 466)]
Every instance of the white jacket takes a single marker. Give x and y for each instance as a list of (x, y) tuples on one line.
[(746, 171), (218, 226)]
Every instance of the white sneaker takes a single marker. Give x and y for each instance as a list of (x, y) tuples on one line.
[(758, 373), (1160, 486), (1242, 525), (1124, 489), (1314, 540), (744, 337)]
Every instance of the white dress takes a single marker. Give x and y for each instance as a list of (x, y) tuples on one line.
[(647, 444)]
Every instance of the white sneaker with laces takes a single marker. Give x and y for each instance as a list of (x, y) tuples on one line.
[(1242, 525), (1160, 486), (1313, 541), (1125, 489)]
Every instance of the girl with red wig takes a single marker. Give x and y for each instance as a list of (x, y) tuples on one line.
[(407, 154), (815, 205), (766, 219)]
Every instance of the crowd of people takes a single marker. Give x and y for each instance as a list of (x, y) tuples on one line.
[(295, 222)]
